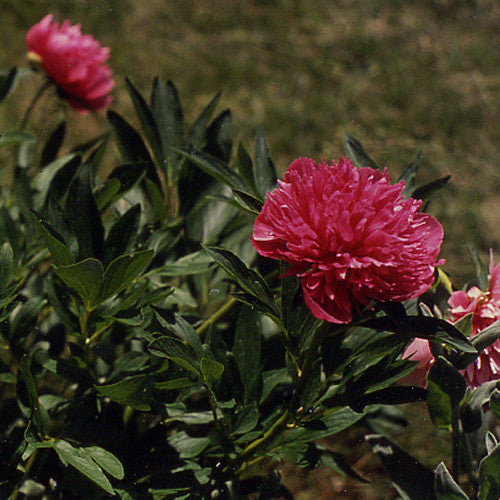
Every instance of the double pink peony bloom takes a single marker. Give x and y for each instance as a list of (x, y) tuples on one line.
[(485, 310), (73, 62), (350, 235)]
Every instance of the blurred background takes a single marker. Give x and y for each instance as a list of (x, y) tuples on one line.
[(401, 76)]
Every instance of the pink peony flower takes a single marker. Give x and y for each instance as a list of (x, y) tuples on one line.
[(350, 235), (72, 61), (420, 351), (485, 309)]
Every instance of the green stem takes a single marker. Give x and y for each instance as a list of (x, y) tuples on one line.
[(456, 445), (227, 306), (33, 103), (282, 422), (27, 470)]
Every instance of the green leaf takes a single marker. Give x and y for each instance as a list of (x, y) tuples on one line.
[(186, 332), (122, 233), (71, 455), (410, 475), (131, 145), (9, 138), (190, 264), (155, 198), (211, 370), (220, 136), (425, 327), (408, 175), (121, 273), (215, 168), (487, 337), (131, 391), (445, 486), (148, 123), (7, 83), (53, 144), (449, 379), (479, 267), (357, 154), (244, 166), (54, 180), (187, 446), (246, 350), (55, 243), (6, 265), (425, 191), (247, 419), (175, 350), (39, 414), (489, 475), (106, 460), (167, 112), (83, 215), (85, 278), (254, 203), (250, 281), (107, 193), (264, 171), (174, 384), (196, 136), (495, 402)]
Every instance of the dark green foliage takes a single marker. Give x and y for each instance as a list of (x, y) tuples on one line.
[(148, 353)]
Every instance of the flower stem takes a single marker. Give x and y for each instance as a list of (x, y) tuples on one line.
[(33, 103), (227, 306), (282, 422)]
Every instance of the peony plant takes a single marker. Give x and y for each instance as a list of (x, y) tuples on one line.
[(183, 325)]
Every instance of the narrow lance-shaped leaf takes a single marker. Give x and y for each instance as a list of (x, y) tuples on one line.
[(131, 145), (85, 278), (357, 154), (7, 83), (446, 487), (196, 136), (6, 265), (106, 460), (264, 171), (425, 191), (54, 241), (408, 175), (121, 272), (250, 281), (53, 144), (489, 475), (410, 475), (246, 350), (122, 234), (215, 168), (167, 112), (71, 455), (83, 215), (148, 123)]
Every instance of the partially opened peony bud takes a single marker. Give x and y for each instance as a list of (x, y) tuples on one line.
[(350, 235), (485, 309), (73, 62)]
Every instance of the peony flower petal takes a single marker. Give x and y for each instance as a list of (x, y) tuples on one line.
[(74, 62), (356, 235)]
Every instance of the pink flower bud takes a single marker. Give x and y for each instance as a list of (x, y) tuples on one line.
[(73, 62)]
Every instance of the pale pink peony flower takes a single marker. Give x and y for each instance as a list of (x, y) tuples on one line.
[(350, 235), (73, 62), (419, 350), (485, 309)]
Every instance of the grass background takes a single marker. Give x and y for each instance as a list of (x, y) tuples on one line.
[(401, 76)]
